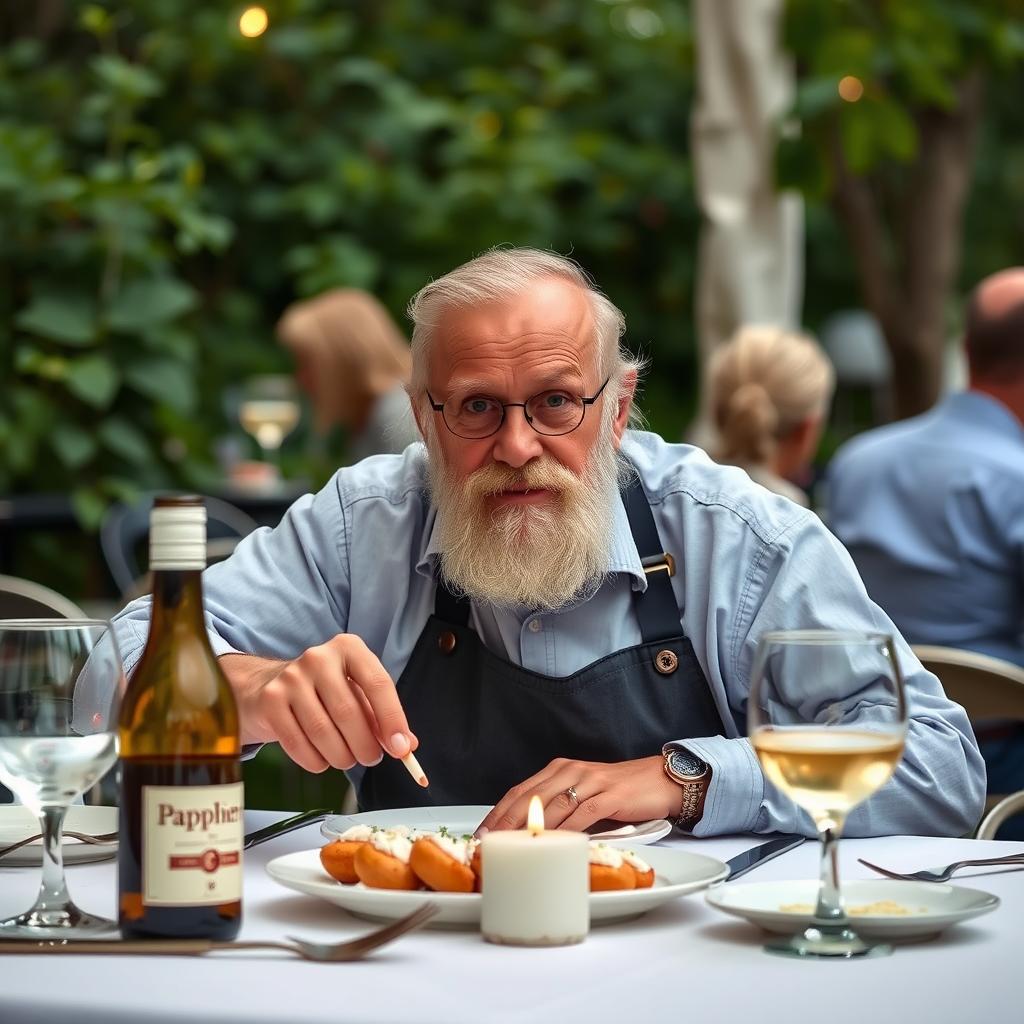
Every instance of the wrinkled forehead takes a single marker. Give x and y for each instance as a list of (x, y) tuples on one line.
[(551, 321)]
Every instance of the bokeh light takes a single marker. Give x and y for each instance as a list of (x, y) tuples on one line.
[(851, 88), (253, 22)]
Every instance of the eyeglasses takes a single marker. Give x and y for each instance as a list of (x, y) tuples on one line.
[(550, 412)]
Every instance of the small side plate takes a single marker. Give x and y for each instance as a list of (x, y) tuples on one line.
[(881, 909), (467, 816)]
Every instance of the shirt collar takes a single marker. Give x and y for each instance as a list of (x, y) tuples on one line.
[(979, 406), (623, 556)]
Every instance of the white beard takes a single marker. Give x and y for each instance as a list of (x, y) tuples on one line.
[(527, 556)]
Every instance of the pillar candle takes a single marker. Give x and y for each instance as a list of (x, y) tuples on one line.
[(536, 886)]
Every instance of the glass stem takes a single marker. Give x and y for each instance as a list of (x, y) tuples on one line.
[(830, 905), (53, 892)]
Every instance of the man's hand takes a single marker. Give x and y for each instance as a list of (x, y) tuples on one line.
[(334, 705), (626, 791)]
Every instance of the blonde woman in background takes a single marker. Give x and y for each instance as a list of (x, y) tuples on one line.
[(770, 393), (353, 362)]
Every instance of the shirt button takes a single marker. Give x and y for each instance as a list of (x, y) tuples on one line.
[(535, 626)]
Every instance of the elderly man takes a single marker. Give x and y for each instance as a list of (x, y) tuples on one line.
[(542, 601)]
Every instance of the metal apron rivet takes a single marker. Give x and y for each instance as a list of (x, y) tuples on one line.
[(446, 642), (666, 662)]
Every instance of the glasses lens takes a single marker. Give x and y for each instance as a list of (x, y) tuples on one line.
[(476, 416), (555, 412)]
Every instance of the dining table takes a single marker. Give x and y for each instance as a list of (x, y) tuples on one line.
[(683, 960)]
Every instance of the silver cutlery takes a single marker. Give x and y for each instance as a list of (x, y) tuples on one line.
[(319, 952), (280, 828), (752, 858), (100, 840), (261, 835), (943, 874)]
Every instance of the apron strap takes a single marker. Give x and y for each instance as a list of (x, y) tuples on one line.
[(448, 607), (656, 606)]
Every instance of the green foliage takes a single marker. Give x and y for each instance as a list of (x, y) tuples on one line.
[(910, 58), (169, 186)]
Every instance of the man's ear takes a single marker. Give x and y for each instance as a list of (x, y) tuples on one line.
[(626, 391), (418, 404)]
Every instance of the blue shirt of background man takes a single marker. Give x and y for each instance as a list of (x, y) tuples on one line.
[(932, 511), (361, 557)]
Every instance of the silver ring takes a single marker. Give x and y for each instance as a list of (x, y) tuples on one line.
[(573, 795)]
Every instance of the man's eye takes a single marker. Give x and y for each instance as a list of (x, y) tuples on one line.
[(556, 399), (477, 406)]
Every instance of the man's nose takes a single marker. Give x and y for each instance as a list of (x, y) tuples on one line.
[(516, 442)]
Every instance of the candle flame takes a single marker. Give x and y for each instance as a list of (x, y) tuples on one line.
[(535, 816)]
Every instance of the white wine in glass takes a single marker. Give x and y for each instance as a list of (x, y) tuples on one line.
[(269, 411), (828, 720)]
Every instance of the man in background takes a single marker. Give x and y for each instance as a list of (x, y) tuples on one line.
[(932, 508)]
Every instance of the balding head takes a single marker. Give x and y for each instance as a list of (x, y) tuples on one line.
[(994, 333)]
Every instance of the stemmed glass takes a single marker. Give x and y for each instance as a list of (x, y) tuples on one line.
[(58, 681), (827, 716), (269, 411)]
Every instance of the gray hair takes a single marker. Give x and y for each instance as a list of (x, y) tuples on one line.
[(502, 273)]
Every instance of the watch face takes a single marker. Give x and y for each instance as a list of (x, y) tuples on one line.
[(686, 765)]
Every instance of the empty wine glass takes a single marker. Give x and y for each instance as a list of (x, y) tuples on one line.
[(58, 679), (827, 717), (269, 411)]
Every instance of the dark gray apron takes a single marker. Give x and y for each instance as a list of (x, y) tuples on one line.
[(485, 724)]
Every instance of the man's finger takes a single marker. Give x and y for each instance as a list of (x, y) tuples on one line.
[(365, 670), (511, 810)]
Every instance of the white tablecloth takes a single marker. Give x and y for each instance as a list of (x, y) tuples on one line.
[(683, 961)]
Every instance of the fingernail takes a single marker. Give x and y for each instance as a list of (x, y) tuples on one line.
[(482, 831), (400, 744)]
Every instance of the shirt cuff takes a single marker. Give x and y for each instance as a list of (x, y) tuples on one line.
[(734, 797), (220, 645)]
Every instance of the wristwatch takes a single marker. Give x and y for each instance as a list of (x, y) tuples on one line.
[(692, 775)]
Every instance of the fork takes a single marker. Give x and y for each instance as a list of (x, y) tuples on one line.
[(100, 840), (318, 952), (945, 873)]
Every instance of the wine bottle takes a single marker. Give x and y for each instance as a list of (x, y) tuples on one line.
[(180, 848)]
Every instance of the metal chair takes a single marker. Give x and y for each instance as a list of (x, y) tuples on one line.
[(125, 529), (1006, 808), (989, 689), (23, 599), (986, 687)]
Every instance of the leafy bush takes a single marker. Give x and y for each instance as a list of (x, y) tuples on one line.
[(170, 186)]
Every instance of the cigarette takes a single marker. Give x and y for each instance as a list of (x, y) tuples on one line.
[(413, 768)]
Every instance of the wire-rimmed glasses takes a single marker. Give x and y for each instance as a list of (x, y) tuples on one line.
[(553, 412)]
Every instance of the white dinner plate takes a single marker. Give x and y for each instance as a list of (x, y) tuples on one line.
[(17, 822), (922, 909), (675, 874), (466, 817)]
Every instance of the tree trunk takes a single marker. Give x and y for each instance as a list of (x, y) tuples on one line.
[(907, 275)]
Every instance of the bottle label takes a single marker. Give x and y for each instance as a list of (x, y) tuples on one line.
[(191, 845)]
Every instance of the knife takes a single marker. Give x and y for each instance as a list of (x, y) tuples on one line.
[(279, 828), (750, 859)]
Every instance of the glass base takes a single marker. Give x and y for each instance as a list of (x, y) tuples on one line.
[(827, 944), (67, 922)]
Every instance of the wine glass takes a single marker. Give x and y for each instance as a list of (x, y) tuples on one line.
[(827, 717), (58, 729), (269, 411)]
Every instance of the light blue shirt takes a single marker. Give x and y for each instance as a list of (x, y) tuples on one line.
[(932, 511), (361, 556)]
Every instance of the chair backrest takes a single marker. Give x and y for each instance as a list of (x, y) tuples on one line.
[(986, 687), (1006, 808), (23, 599), (124, 533)]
